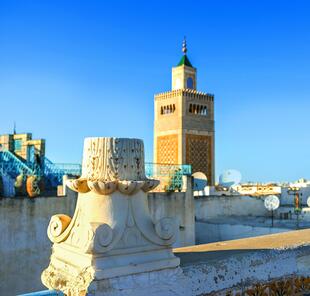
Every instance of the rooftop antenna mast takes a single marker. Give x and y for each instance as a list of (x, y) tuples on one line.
[(14, 129)]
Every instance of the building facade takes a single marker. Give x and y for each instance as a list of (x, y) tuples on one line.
[(23, 146), (184, 122)]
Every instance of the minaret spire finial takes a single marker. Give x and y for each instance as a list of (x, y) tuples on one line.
[(184, 47)]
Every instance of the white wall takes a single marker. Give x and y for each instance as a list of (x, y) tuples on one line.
[(210, 232), (176, 204), (288, 199), (210, 207), (24, 247)]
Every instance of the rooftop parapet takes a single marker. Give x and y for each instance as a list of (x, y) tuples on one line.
[(277, 264), (186, 92), (268, 265)]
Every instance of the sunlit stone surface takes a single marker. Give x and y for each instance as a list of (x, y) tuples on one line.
[(111, 243)]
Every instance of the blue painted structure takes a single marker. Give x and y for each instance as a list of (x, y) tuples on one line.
[(170, 175), (55, 171), (11, 165), (44, 293)]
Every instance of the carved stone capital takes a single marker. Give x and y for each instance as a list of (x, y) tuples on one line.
[(111, 233), (111, 164)]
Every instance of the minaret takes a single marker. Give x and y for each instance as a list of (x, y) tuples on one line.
[(184, 122), (184, 75)]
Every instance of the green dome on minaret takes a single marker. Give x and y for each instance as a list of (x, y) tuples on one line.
[(184, 60)]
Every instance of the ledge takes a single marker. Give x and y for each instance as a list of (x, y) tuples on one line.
[(265, 264), (189, 92), (224, 249)]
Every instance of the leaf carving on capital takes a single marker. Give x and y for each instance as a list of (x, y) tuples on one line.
[(133, 238), (81, 237), (162, 233), (108, 187), (101, 187), (111, 164), (78, 185), (130, 219), (81, 234), (103, 237), (150, 184), (130, 187)]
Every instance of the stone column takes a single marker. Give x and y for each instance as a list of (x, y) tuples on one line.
[(111, 246)]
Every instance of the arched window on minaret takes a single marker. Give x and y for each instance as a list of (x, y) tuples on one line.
[(189, 83), (196, 109)]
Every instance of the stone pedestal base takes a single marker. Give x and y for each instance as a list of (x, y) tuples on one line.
[(78, 274), (165, 282)]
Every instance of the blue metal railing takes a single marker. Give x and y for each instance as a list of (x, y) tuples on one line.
[(12, 165), (152, 169), (170, 175), (44, 293), (69, 168), (55, 171)]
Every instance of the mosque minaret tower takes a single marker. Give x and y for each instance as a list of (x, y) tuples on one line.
[(184, 122)]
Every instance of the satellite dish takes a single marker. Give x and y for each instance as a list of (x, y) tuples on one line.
[(271, 202), (308, 201), (200, 181), (229, 178)]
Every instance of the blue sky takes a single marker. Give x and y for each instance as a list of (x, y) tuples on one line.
[(72, 69)]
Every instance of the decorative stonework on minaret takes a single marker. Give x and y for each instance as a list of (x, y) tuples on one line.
[(184, 122), (111, 234)]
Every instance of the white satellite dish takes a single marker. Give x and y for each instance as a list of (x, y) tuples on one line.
[(229, 178), (308, 201), (271, 202), (200, 181)]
